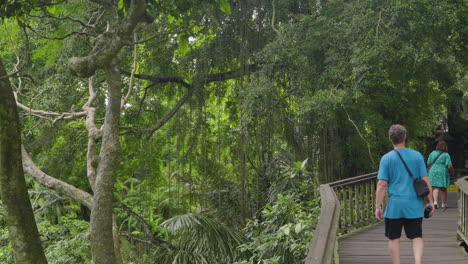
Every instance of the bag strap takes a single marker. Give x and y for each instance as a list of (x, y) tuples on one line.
[(441, 152), (404, 163)]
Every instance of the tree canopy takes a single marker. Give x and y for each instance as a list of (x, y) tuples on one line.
[(146, 121)]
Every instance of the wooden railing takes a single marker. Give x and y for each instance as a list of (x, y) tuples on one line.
[(346, 204), (357, 198), (323, 246), (462, 184)]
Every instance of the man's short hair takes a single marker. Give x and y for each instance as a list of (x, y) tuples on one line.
[(397, 134)]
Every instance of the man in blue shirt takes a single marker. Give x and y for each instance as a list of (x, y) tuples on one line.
[(404, 208)]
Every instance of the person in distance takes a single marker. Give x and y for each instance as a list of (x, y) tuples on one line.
[(404, 208), (440, 171)]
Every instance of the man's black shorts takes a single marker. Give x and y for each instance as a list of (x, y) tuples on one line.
[(413, 227)]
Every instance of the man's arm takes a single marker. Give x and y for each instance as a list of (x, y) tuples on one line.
[(381, 191), (429, 196)]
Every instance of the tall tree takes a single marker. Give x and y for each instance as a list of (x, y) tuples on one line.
[(14, 194), (116, 25)]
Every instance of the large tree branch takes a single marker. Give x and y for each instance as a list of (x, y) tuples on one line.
[(49, 204), (109, 43), (10, 75), (137, 14), (104, 3), (214, 77), (82, 23), (56, 116), (234, 74), (83, 32), (134, 237), (145, 93), (146, 228), (93, 134), (62, 187), (170, 114), (43, 3), (161, 79), (209, 78)]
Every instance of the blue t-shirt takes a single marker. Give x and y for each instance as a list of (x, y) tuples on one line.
[(402, 199)]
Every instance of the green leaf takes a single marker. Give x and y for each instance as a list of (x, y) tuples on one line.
[(118, 197), (224, 6), (183, 44), (298, 228), (170, 18), (304, 163), (286, 230)]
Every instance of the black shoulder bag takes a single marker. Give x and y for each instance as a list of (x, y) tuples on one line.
[(422, 190)]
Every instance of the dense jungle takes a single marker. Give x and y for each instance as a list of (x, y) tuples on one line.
[(199, 131)]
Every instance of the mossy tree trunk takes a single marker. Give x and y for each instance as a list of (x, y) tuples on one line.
[(103, 250), (119, 32), (22, 228)]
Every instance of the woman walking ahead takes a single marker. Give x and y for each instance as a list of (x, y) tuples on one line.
[(439, 174)]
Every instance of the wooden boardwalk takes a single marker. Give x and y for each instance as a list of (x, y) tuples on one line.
[(369, 245)]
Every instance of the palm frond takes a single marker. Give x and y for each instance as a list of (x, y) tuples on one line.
[(199, 235)]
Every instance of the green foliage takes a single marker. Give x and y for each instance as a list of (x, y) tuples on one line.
[(6, 249), (292, 178), (62, 154), (201, 239), (224, 6), (355, 68), (284, 230), (9, 8), (67, 241), (329, 79), (64, 242)]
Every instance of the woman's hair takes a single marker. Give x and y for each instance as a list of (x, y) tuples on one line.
[(397, 134), (442, 145)]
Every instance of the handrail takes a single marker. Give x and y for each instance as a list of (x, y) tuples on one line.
[(345, 204), (462, 232), (348, 181), (323, 244)]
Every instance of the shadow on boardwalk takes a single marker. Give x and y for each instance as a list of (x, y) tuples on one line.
[(369, 245)]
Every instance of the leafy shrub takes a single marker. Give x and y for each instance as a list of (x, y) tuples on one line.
[(67, 242), (284, 232)]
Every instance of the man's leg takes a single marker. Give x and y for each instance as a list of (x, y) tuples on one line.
[(413, 229), (418, 249), (394, 250), (393, 232)]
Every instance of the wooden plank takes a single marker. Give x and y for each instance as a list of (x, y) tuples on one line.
[(369, 245)]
